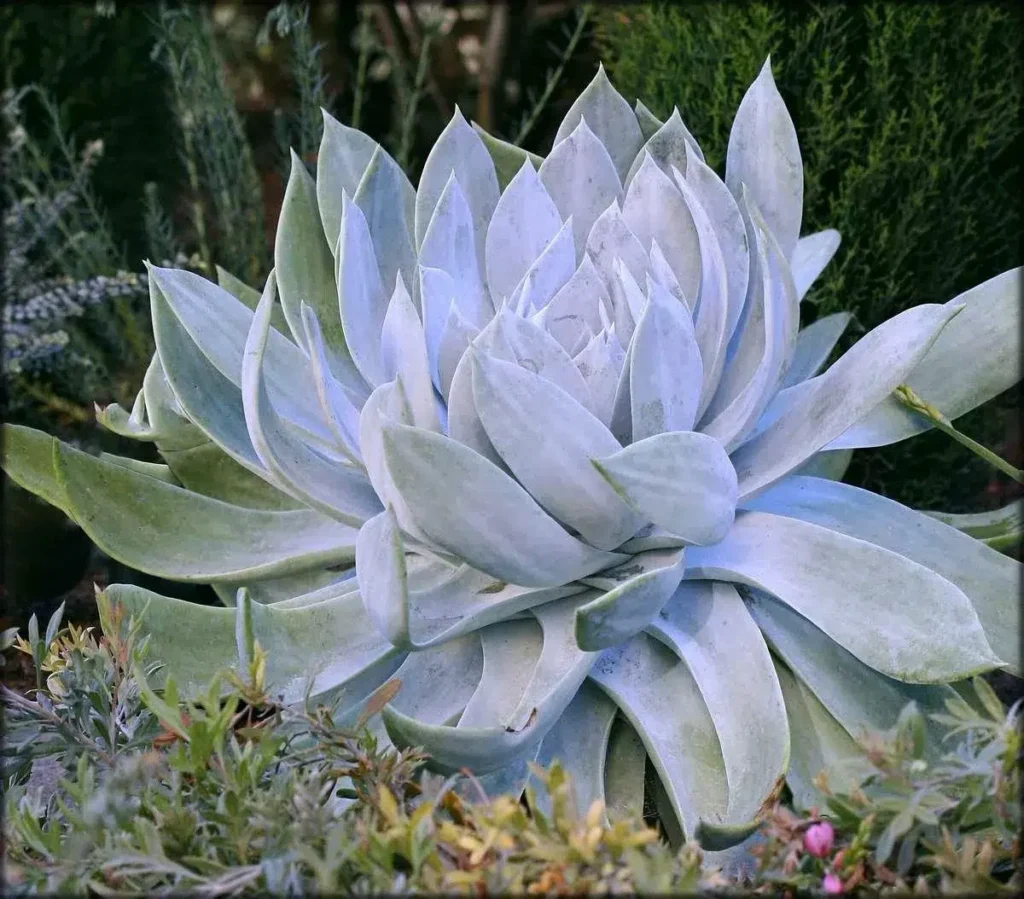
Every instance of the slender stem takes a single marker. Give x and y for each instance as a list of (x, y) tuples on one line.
[(50, 400), (922, 407), (362, 64), (409, 119)]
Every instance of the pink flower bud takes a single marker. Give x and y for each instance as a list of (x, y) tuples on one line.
[(832, 884), (818, 839)]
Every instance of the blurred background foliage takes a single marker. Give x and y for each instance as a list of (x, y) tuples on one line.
[(162, 131)]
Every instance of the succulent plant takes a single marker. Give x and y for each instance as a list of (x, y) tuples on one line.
[(560, 418)]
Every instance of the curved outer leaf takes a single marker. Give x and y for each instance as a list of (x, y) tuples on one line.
[(404, 353), (610, 240), (625, 764), (682, 481), (171, 532), (548, 274), (706, 625), (458, 152), (649, 123), (636, 592), (611, 118), (387, 200), (303, 260), (521, 413), (508, 159), (989, 579), (976, 357), (667, 147), (437, 295), (525, 221), (469, 507), (867, 373), (673, 722), (846, 586), (1001, 528), (860, 699), (764, 154), (573, 310), (338, 490), (343, 157), (28, 460), (818, 743), (581, 178), (810, 257), (250, 296), (383, 577), (831, 464), (814, 344), (665, 369)]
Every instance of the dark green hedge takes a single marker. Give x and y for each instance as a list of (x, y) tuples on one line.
[(909, 118)]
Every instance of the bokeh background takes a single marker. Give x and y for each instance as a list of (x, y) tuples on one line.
[(161, 131)]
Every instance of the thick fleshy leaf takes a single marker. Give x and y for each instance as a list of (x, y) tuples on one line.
[(831, 464), (303, 260), (989, 579), (383, 576), (635, 594), (522, 412), (863, 701), (649, 123), (437, 294), (581, 178), (610, 240), (574, 308), (764, 155), (250, 296), (525, 221), (667, 147), (976, 357), (706, 624), (818, 744), (343, 157), (449, 245), (171, 532), (867, 373), (460, 153), (552, 270), (472, 509), (458, 334), (1000, 529), (331, 642), (666, 374), (404, 353), (28, 461), (814, 344), (810, 257), (657, 693), (655, 210), (611, 119), (682, 481), (336, 489), (625, 765), (508, 159), (385, 195), (601, 363), (845, 586)]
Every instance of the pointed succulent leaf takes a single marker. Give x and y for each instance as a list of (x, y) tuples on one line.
[(404, 353), (548, 274), (343, 157), (574, 308), (681, 481), (383, 577), (508, 159), (456, 337), (611, 239), (1000, 529), (437, 294), (28, 459), (250, 296), (831, 464), (649, 123), (976, 357), (581, 178), (932, 636), (764, 154), (706, 624), (810, 257), (471, 508), (814, 344), (667, 147), (601, 363)]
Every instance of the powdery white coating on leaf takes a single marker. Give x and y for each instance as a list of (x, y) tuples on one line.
[(343, 157), (810, 257), (667, 147)]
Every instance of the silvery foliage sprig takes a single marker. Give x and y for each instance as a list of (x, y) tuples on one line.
[(561, 417)]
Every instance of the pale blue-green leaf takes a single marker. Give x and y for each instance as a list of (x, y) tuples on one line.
[(151, 469), (548, 274), (437, 294), (662, 272), (846, 586), (171, 532), (667, 147), (706, 624), (655, 210), (1000, 528), (863, 701), (976, 357), (297, 590), (385, 195), (525, 221), (814, 344), (831, 464), (458, 334), (621, 424), (449, 245), (343, 157), (764, 154), (657, 693), (383, 577), (611, 118), (522, 412), (581, 178), (470, 508), (649, 123), (681, 481), (460, 153), (819, 744), (404, 354), (28, 460), (574, 308), (727, 221), (810, 257), (625, 766), (611, 239), (132, 425), (864, 376), (338, 490), (666, 373), (601, 363), (635, 594), (508, 159), (988, 578), (250, 296), (303, 260)]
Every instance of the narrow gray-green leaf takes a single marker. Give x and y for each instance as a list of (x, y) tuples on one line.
[(810, 257), (814, 344), (508, 158), (344, 155)]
